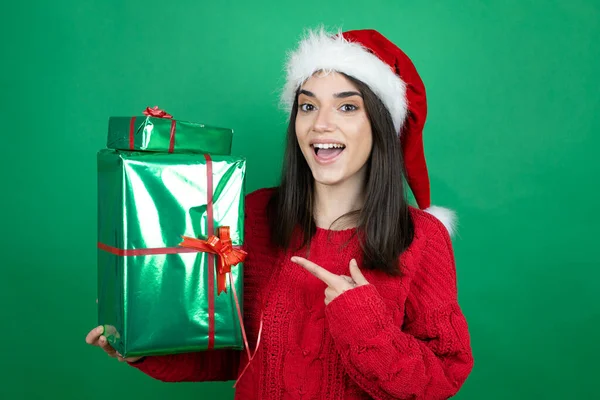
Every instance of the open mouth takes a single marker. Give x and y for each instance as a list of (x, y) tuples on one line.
[(327, 151)]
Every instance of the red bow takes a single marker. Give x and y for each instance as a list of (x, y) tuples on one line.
[(221, 246), (157, 112)]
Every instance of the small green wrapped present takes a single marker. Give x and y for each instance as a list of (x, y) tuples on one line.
[(158, 131)]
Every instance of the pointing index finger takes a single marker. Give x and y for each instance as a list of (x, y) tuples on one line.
[(318, 271)]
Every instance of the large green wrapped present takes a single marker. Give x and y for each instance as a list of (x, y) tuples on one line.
[(169, 231), (158, 131)]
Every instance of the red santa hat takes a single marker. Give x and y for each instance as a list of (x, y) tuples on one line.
[(368, 56)]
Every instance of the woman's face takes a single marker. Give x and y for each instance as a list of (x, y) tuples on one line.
[(333, 129)]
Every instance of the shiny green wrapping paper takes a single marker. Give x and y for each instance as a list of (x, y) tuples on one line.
[(158, 304), (154, 134)]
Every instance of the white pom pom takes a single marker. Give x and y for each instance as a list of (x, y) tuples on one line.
[(446, 216)]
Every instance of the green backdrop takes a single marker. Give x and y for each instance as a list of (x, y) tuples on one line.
[(511, 144)]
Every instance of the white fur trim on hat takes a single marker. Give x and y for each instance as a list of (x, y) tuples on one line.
[(321, 51), (446, 216)]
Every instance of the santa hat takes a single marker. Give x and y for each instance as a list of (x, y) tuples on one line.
[(368, 56)]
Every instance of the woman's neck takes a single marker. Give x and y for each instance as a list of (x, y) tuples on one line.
[(334, 201)]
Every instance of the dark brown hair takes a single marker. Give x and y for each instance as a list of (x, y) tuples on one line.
[(384, 225)]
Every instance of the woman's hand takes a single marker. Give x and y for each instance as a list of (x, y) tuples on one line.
[(95, 338), (336, 284)]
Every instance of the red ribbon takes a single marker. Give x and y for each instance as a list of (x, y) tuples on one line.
[(143, 252), (156, 113), (211, 258), (228, 255)]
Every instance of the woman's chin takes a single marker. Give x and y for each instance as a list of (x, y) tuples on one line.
[(328, 176), (328, 179)]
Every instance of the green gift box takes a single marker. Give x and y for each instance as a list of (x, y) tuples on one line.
[(155, 295), (158, 131)]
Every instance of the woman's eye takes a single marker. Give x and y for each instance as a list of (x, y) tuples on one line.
[(307, 107), (349, 107)]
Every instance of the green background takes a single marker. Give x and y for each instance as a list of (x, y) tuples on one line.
[(511, 143)]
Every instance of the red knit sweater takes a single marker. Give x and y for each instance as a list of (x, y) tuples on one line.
[(396, 338)]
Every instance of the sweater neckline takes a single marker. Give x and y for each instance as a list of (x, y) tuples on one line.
[(334, 235)]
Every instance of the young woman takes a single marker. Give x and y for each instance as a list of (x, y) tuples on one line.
[(356, 290)]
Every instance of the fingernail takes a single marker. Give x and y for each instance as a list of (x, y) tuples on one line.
[(102, 339), (294, 259)]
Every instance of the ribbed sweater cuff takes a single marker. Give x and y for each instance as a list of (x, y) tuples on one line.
[(358, 313), (151, 365)]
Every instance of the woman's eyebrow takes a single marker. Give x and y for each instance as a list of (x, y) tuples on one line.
[(307, 93), (341, 95)]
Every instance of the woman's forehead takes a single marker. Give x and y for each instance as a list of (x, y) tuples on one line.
[(328, 83)]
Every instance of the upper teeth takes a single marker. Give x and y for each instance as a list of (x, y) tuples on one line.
[(328, 145)]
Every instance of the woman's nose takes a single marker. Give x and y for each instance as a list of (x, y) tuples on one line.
[(324, 121)]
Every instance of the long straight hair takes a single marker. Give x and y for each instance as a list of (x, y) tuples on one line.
[(384, 225)]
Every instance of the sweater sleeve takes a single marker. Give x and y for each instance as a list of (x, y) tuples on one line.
[(430, 356), (215, 365)]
